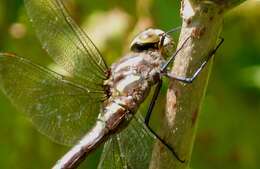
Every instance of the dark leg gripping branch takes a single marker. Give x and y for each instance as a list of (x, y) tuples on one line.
[(182, 79), (147, 119), (197, 72)]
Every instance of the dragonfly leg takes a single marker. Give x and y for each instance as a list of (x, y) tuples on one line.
[(204, 63), (148, 116), (171, 59), (151, 106)]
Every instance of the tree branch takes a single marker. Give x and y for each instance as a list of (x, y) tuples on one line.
[(202, 20)]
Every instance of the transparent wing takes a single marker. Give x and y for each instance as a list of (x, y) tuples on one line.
[(111, 157), (66, 43), (59, 108), (130, 149)]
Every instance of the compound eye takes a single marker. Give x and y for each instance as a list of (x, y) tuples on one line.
[(149, 38), (143, 46), (145, 42)]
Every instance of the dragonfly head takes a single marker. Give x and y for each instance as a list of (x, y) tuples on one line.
[(153, 39)]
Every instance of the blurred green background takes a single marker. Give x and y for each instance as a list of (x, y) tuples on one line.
[(228, 134)]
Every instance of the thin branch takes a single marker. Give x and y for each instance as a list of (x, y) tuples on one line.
[(202, 20)]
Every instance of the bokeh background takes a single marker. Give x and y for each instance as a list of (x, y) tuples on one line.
[(229, 126)]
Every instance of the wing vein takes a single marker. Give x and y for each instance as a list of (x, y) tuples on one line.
[(78, 32)]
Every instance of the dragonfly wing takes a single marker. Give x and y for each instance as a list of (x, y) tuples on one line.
[(129, 149), (65, 42), (111, 157), (60, 109)]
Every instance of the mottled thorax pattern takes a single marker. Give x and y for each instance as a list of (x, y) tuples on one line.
[(133, 76)]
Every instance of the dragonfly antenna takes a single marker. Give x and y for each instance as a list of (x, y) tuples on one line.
[(173, 30)]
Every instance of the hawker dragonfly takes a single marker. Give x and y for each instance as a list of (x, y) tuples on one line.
[(94, 104)]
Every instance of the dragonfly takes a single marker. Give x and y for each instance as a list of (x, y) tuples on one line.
[(94, 104)]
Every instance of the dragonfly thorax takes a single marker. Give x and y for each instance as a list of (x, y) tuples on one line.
[(130, 82), (133, 75)]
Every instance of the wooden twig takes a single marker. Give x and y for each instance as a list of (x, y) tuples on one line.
[(202, 20)]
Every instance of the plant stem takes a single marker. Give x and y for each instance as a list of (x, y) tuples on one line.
[(202, 20)]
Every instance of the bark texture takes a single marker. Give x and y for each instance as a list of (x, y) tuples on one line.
[(202, 20)]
